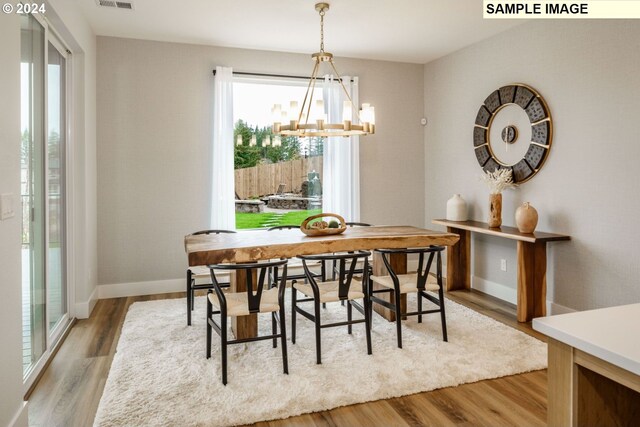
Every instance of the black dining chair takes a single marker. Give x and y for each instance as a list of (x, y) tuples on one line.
[(420, 282), (348, 288), (260, 297), (358, 270), (194, 274), (319, 267)]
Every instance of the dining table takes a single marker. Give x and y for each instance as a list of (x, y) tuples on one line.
[(257, 245)]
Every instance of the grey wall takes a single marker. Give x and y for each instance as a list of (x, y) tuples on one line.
[(154, 139), (10, 240), (588, 73)]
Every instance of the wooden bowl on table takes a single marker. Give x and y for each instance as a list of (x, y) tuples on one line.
[(314, 232)]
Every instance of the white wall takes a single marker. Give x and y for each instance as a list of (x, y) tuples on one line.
[(10, 240), (154, 138), (588, 73)]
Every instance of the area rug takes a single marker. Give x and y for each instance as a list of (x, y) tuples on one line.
[(160, 376)]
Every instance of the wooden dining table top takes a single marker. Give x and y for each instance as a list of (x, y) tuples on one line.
[(256, 245)]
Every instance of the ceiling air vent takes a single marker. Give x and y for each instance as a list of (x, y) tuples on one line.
[(115, 4)]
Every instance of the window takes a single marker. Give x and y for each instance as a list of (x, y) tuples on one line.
[(278, 181)]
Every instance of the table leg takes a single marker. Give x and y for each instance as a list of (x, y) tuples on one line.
[(399, 264), (459, 261), (243, 326), (532, 280), (560, 383)]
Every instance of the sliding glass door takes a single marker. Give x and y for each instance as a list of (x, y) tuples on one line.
[(43, 164), (32, 175), (56, 138)]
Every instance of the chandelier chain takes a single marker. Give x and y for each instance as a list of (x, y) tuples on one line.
[(322, 31)]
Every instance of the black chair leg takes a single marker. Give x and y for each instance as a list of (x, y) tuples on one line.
[(283, 338), (349, 316), (293, 315), (443, 318), (419, 306), (223, 347), (274, 329), (188, 297), (398, 319), (367, 323), (209, 311), (317, 326), (441, 296)]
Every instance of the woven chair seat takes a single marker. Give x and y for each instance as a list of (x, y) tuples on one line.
[(408, 282), (238, 305), (329, 290), (200, 272), (295, 262)]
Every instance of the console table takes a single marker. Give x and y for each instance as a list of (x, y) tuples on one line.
[(532, 262), (594, 367)]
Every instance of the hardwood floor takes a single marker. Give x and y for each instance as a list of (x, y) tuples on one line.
[(69, 391)]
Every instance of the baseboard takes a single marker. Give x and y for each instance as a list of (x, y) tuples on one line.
[(508, 294), (85, 308), (494, 289), (21, 418), (553, 308), (117, 290)]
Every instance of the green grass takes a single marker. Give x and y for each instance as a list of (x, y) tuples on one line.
[(258, 220)]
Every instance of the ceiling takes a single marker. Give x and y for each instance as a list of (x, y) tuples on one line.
[(415, 31)]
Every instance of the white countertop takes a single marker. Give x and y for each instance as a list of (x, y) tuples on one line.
[(611, 334)]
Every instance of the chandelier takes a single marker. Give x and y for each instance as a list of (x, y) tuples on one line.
[(310, 119)]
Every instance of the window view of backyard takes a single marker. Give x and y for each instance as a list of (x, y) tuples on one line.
[(278, 180)]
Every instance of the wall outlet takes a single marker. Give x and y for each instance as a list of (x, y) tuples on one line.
[(503, 264), (6, 206)]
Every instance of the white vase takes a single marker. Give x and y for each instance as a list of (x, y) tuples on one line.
[(457, 209)]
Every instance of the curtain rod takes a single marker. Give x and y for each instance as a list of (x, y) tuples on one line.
[(240, 73)]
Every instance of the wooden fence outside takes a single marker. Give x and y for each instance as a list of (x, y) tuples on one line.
[(264, 179)]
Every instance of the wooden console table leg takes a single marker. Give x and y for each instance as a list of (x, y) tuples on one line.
[(459, 261), (243, 326), (532, 280), (399, 264)]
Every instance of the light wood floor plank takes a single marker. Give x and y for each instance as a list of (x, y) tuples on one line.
[(69, 391)]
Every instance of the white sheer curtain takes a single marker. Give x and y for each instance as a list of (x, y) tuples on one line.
[(222, 192), (341, 163)]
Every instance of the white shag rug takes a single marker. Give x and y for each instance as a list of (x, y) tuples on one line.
[(160, 376)]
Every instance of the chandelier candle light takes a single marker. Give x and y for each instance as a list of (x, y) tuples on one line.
[(310, 119)]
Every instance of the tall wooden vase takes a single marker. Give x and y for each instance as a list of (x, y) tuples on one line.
[(495, 210)]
